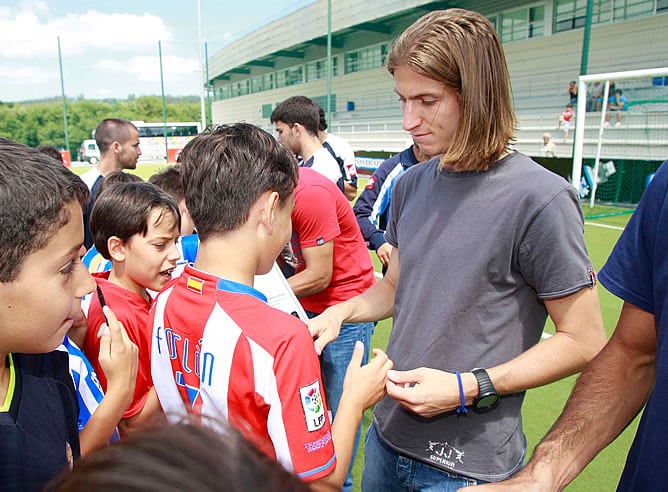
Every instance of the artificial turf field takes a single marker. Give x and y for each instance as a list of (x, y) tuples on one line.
[(542, 405)]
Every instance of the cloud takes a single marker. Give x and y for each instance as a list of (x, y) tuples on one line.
[(147, 68), (28, 31), (27, 75)]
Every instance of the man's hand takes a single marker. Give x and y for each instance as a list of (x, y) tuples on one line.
[(324, 328), (384, 251), (428, 392)]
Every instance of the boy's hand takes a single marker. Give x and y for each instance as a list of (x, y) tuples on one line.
[(118, 357), (366, 384)]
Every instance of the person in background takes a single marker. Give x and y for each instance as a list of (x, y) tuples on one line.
[(344, 154), (566, 119), (118, 141), (296, 120), (572, 92), (51, 151), (617, 103), (549, 148), (373, 205)]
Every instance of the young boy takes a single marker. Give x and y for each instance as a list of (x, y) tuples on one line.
[(42, 281), (217, 348), (135, 226)]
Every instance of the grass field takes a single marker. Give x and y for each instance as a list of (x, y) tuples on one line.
[(542, 405)]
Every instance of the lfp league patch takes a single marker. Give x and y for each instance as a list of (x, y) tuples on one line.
[(314, 410)]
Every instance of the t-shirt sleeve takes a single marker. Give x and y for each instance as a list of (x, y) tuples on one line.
[(315, 217), (302, 411), (552, 253)]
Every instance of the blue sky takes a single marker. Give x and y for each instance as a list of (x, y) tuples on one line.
[(110, 48)]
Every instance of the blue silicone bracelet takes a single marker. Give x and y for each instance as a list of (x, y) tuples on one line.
[(461, 409)]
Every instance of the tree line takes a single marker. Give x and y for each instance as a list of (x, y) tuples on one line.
[(41, 122)]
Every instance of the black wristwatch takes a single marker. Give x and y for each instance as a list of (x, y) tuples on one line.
[(487, 398)]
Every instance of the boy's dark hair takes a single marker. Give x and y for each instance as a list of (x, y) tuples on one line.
[(169, 180), (298, 109), (117, 177), (112, 130), (34, 190), (225, 170), (51, 151), (124, 209), (179, 457), (322, 121)]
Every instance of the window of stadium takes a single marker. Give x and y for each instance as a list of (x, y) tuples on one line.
[(523, 23)]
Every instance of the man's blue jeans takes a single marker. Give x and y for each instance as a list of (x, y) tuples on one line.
[(389, 471), (334, 361)]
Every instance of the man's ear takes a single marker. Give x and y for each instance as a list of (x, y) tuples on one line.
[(116, 248), (116, 147)]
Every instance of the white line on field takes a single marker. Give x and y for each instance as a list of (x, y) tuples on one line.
[(606, 226)]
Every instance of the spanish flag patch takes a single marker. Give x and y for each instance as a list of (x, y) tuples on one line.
[(195, 284)]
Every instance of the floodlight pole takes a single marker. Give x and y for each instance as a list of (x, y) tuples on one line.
[(164, 106), (62, 92), (329, 62), (200, 47)]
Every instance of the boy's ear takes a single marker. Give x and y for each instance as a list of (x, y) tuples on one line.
[(116, 248), (269, 207)]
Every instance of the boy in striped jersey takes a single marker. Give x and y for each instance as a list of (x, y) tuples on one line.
[(218, 349)]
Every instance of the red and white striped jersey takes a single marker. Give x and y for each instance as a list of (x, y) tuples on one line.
[(220, 351)]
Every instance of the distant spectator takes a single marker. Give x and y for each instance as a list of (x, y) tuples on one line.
[(565, 120), (51, 151), (549, 148), (594, 93), (617, 103), (599, 99), (572, 92)]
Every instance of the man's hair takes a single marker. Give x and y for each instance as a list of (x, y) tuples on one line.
[(225, 170), (462, 50), (112, 130), (124, 209), (34, 190), (322, 122), (179, 457), (298, 109), (51, 151), (169, 180)]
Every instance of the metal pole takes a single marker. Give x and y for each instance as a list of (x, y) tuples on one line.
[(62, 92), (584, 60), (329, 62), (208, 85), (164, 106), (200, 47)]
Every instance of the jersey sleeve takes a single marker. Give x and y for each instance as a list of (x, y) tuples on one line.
[(303, 409), (314, 217)]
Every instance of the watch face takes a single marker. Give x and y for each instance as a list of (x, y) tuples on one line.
[(487, 401)]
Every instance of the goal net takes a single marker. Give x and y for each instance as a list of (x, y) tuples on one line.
[(621, 134)]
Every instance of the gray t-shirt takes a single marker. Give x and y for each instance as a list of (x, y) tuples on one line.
[(478, 253)]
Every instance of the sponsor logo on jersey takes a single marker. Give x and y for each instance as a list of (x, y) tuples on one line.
[(320, 241), (371, 182), (314, 410), (195, 284)]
